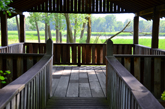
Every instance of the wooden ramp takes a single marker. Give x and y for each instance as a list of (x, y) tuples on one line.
[(77, 103), (78, 88)]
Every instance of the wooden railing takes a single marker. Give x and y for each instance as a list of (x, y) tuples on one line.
[(149, 70), (124, 91), (17, 64), (78, 54), (32, 89), (13, 48), (140, 49)]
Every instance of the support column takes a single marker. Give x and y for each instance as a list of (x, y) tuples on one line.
[(136, 30), (4, 34), (22, 28), (155, 29)]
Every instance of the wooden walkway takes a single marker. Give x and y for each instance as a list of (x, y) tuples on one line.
[(78, 88), (84, 81)]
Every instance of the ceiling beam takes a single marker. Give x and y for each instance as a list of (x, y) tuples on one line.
[(151, 10)]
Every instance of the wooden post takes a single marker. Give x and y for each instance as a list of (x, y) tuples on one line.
[(22, 28), (4, 34), (136, 30), (109, 48), (155, 29)]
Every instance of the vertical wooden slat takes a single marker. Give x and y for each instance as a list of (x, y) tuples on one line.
[(4, 33), (96, 5), (13, 103), (28, 96), (18, 101), (98, 54), (157, 77), (58, 53), (68, 53), (29, 62), (68, 5), (79, 57), (22, 99), (46, 5), (127, 62), (19, 66), (83, 10), (137, 68), (25, 97), (114, 7), (104, 5), (71, 5), (53, 4), (8, 106), (65, 9), (111, 7), (100, 5), (147, 73), (9, 66), (83, 54), (61, 9), (93, 5), (64, 57), (74, 54), (79, 5), (93, 54), (108, 5), (89, 2), (88, 54), (32, 94), (104, 54), (101, 54), (86, 5)]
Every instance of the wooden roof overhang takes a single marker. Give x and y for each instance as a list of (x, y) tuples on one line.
[(143, 8)]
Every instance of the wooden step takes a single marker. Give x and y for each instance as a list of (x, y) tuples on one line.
[(77, 103)]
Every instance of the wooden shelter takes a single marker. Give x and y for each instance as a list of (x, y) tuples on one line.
[(134, 73)]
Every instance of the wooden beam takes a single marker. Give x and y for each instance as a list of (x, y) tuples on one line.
[(22, 28), (151, 10), (136, 30), (4, 34), (155, 29)]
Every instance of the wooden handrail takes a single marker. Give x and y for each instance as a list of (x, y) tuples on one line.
[(125, 91), (33, 88)]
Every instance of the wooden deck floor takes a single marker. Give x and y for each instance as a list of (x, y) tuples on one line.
[(84, 81)]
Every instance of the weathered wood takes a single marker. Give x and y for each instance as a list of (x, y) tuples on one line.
[(62, 87), (74, 54), (22, 28), (137, 68), (4, 33), (136, 30), (147, 73), (72, 90), (88, 54), (84, 90), (155, 29), (127, 63), (83, 54), (157, 77)]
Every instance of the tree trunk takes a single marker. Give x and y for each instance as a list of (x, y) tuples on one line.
[(57, 35), (82, 31), (89, 30), (69, 29), (49, 32), (18, 28), (60, 37), (75, 30), (38, 32), (46, 32)]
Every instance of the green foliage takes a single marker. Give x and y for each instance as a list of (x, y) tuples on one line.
[(163, 96), (4, 6), (3, 76)]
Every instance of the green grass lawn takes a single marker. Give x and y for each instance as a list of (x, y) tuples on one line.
[(31, 36)]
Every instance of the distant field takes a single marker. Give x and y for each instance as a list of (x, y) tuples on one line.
[(31, 36)]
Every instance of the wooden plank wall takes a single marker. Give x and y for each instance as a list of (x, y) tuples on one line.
[(149, 70), (79, 6), (17, 64), (78, 54)]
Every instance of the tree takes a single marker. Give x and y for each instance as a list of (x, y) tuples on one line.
[(33, 19), (110, 22), (4, 6)]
